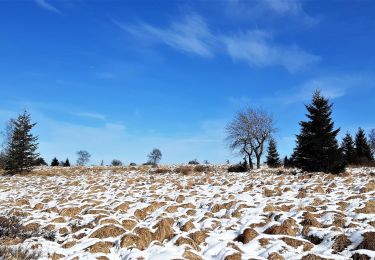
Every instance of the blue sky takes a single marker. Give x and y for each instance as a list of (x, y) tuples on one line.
[(118, 78)]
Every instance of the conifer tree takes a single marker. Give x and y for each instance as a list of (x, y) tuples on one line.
[(273, 159), (55, 162), (67, 163), (317, 148), (362, 148), (22, 146), (348, 149), (286, 162)]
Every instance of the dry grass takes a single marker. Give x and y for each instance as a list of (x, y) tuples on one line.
[(108, 231), (18, 253)]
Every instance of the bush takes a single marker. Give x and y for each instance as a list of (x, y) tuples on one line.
[(132, 164), (162, 170), (116, 162), (194, 162), (237, 168), (184, 170), (18, 253)]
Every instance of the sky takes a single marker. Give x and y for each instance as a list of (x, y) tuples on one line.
[(119, 78)]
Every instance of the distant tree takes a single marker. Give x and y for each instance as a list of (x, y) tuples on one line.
[(362, 148), (101, 163), (6, 140), (40, 162), (206, 162), (273, 159), (55, 162), (195, 161), (132, 164), (317, 148), (155, 156), (83, 157), (348, 149), (116, 162), (66, 163), (21, 149), (371, 138), (286, 162)]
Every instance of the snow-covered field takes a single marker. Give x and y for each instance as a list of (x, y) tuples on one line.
[(136, 213)]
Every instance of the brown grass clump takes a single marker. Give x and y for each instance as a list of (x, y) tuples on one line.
[(187, 241), (312, 257), (198, 236), (128, 224), (123, 207), (188, 226), (217, 207), (145, 237), (358, 256), (264, 242), (275, 256), (184, 170), (70, 212), (140, 214), (369, 208), (164, 230), (235, 256), (18, 253), (280, 230), (191, 256), (180, 199), (297, 243), (368, 241), (101, 247), (32, 227), (129, 240), (107, 231), (247, 235), (341, 242)]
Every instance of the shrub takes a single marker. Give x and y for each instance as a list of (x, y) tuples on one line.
[(237, 168), (116, 162), (184, 170), (132, 164), (162, 170), (194, 162), (201, 168)]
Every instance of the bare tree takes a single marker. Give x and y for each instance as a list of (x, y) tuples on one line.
[(83, 157), (239, 138), (371, 139), (249, 131), (6, 140), (155, 156)]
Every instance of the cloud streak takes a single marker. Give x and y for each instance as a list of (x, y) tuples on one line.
[(44, 4), (193, 35)]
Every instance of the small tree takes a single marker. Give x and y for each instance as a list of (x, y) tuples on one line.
[(286, 162), (116, 162), (155, 156), (66, 163), (83, 157), (362, 148), (21, 149), (195, 161), (7, 138), (348, 149), (317, 148), (54, 162), (273, 159), (40, 162)]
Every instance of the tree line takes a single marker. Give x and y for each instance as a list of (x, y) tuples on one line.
[(317, 148)]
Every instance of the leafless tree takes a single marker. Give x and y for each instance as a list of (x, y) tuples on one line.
[(83, 158), (249, 131), (6, 139), (155, 156), (371, 140)]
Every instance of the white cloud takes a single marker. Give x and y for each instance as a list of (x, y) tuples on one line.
[(44, 4), (91, 115), (191, 35), (257, 49)]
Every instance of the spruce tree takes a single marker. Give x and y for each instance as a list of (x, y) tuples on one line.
[(22, 146), (286, 162), (67, 163), (273, 159), (317, 148), (362, 148), (55, 162), (348, 149)]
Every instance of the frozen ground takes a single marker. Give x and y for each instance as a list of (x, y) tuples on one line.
[(137, 213)]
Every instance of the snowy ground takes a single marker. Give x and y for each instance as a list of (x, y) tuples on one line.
[(136, 213)]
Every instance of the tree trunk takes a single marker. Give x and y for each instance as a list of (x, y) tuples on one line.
[(251, 166), (258, 160)]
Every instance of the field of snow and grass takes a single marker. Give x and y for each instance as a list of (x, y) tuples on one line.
[(169, 213)]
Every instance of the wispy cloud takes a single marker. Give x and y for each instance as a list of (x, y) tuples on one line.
[(44, 4), (193, 35), (190, 35), (91, 115), (257, 49)]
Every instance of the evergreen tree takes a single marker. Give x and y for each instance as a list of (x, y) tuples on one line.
[(40, 162), (362, 148), (67, 163), (348, 149), (286, 162), (22, 146), (317, 148), (55, 162), (273, 159)]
